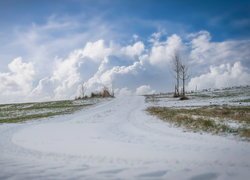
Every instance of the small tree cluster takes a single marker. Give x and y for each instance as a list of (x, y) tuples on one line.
[(180, 73), (106, 92), (81, 93)]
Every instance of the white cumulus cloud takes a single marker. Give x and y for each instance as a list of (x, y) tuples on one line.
[(133, 68), (18, 82), (144, 89), (134, 50), (225, 75), (162, 52)]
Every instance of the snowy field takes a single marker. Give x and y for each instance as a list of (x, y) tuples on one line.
[(118, 139), (233, 97)]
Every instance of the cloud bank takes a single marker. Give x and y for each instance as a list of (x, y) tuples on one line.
[(138, 67), (224, 75), (18, 82)]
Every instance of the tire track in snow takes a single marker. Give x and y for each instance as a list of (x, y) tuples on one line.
[(116, 140)]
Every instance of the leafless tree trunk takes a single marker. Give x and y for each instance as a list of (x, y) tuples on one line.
[(183, 76), (112, 91), (82, 91), (177, 70)]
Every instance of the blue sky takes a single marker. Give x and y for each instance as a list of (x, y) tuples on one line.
[(225, 19), (48, 48)]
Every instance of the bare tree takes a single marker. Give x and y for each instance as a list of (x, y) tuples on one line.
[(82, 91), (177, 70), (183, 76), (112, 91)]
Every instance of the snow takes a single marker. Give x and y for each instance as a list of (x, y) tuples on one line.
[(117, 139), (196, 102)]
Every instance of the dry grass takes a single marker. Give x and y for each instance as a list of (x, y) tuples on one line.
[(245, 133), (203, 119), (239, 113)]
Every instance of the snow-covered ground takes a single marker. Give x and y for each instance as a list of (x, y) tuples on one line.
[(232, 97), (117, 139)]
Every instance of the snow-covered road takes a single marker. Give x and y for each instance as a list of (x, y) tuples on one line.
[(117, 140)]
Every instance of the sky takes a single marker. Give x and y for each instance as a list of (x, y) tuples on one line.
[(49, 48)]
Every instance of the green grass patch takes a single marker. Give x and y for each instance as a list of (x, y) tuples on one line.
[(200, 95), (243, 100), (13, 113)]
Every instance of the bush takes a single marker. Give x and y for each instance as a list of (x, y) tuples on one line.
[(184, 98), (103, 94), (176, 95)]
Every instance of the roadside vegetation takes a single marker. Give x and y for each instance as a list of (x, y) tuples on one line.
[(104, 93), (13, 113), (243, 100), (213, 119)]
